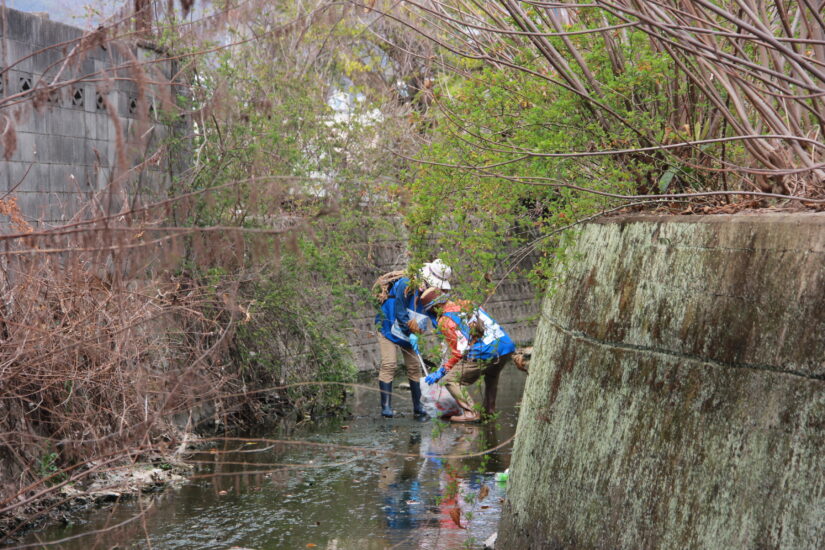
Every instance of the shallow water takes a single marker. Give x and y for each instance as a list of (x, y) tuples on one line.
[(363, 482)]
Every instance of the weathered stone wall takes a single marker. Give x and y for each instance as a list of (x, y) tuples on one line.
[(676, 397), (66, 138)]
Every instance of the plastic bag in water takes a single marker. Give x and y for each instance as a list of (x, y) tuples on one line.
[(437, 400)]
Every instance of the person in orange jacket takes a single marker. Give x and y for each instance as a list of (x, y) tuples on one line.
[(477, 345)]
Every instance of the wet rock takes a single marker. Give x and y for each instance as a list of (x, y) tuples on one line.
[(106, 497)]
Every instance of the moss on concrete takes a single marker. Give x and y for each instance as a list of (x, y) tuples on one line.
[(676, 397)]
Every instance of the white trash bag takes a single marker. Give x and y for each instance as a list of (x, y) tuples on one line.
[(436, 399)]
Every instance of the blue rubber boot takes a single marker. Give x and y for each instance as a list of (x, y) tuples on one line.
[(418, 409), (386, 398)]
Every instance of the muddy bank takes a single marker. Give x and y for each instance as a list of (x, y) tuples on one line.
[(100, 484), (100, 491)]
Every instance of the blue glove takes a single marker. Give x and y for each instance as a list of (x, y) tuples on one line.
[(434, 377), (414, 342)]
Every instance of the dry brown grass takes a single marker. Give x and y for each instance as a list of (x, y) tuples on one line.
[(95, 364)]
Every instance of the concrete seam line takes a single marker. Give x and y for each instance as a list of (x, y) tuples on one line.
[(578, 335)]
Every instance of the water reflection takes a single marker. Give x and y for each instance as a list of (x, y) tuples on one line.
[(364, 483)]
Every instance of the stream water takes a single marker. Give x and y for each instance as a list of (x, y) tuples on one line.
[(357, 483)]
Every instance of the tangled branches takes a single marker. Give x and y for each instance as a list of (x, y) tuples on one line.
[(94, 364), (710, 95)]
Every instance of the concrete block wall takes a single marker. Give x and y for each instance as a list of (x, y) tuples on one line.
[(66, 149)]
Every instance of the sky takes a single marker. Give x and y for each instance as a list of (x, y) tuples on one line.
[(72, 12)]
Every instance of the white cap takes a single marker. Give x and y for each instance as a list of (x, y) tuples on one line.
[(437, 274)]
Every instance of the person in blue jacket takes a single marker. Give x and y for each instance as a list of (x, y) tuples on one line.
[(400, 321)]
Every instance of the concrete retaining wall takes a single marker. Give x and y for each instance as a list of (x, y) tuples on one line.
[(676, 397), (66, 136)]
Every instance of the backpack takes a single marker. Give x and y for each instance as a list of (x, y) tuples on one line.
[(382, 285)]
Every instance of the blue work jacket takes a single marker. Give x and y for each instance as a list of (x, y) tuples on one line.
[(396, 312), (494, 343)]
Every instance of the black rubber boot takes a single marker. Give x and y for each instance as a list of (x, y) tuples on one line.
[(418, 409), (386, 398)]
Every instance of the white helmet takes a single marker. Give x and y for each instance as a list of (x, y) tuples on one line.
[(437, 274)]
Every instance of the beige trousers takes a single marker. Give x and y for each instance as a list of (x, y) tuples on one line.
[(466, 373), (389, 352)]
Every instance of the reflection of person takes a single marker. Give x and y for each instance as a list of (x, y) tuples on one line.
[(401, 319), (404, 502), (456, 480), (478, 347)]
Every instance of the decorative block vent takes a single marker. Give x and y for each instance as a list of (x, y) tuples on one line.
[(25, 83), (77, 97), (54, 98), (133, 105), (100, 103)]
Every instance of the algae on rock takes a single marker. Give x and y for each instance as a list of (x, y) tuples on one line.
[(676, 396)]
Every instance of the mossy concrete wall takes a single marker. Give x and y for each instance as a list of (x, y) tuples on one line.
[(676, 397)]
